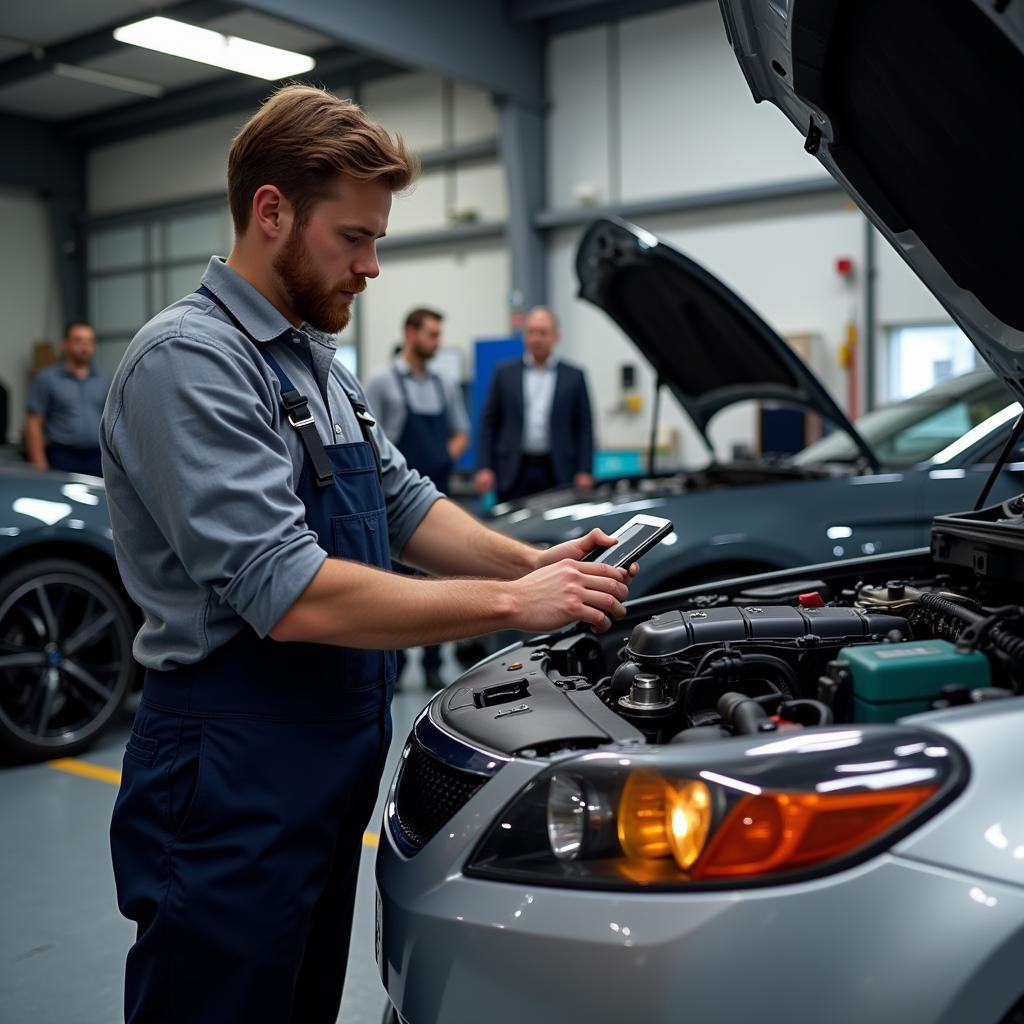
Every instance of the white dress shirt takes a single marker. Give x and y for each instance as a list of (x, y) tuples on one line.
[(538, 394)]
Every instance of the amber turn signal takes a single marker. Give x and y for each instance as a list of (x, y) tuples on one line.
[(775, 832)]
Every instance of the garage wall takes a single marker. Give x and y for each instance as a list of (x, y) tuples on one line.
[(469, 282), (655, 107), (29, 295)]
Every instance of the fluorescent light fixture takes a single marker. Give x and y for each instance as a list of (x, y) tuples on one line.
[(208, 47), (93, 77)]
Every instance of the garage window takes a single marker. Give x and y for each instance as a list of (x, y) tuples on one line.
[(921, 355)]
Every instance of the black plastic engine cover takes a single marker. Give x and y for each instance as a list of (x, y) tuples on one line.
[(669, 634)]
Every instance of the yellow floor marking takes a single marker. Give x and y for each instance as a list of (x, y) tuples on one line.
[(90, 771), (103, 774)]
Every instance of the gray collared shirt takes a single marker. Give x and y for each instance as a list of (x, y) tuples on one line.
[(69, 405), (538, 394), (388, 401), (201, 469)]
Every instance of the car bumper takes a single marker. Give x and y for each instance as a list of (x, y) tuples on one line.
[(458, 949)]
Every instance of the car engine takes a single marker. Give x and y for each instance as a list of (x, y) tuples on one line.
[(875, 653), (868, 640)]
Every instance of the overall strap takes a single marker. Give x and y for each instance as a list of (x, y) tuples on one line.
[(404, 388), (366, 425), (294, 404)]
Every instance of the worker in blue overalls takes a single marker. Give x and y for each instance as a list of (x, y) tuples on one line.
[(424, 414), (254, 506)]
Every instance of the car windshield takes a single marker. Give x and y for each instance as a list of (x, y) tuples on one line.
[(918, 428)]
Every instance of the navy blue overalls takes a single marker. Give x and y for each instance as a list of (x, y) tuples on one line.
[(424, 438), (424, 443), (248, 781)]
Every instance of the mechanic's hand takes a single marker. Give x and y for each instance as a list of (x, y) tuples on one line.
[(484, 481), (569, 591), (578, 548)]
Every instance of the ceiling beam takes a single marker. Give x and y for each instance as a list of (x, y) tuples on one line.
[(36, 158), (467, 40), (100, 42), (335, 69)]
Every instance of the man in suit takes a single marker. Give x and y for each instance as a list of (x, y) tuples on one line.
[(536, 431)]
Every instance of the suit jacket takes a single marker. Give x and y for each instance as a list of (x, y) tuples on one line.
[(500, 445)]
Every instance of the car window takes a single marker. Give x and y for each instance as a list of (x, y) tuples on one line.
[(917, 428)]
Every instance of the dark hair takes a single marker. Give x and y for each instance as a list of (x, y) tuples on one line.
[(421, 313), (72, 324), (301, 140)]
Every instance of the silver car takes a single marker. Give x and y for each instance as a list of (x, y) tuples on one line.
[(791, 797)]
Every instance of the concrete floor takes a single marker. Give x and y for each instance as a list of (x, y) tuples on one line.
[(62, 940)]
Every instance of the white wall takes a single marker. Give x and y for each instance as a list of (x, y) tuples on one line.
[(656, 106), (29, 295), (161, 167), (470, 283)]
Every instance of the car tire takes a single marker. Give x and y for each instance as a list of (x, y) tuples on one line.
[(66, 662)]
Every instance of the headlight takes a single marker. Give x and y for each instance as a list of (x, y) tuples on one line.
[(781, 810)]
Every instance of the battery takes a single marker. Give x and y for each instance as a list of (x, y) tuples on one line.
[(892, 680)]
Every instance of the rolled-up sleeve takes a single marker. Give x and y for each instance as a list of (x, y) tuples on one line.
[(193, 430)]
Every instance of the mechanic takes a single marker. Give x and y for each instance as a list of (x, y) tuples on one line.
[(426, 416), (253, 503), (65, 402)]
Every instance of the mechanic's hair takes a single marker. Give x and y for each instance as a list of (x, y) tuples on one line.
[(421, 313), (72, 324), (301, 140)]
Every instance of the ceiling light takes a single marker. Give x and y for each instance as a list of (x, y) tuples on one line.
[(209, 47), (94, 77)]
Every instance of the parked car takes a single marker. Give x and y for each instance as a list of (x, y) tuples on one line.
[(791, 797), (66, 623), (866, 488)]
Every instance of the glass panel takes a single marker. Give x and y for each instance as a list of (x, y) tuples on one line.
[(156, 235), (199, 234), (118, 303), (157, 299), (117, 247), (179, 281), (109, 353), (920, 427), (923, 355)]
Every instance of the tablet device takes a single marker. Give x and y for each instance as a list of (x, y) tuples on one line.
[(635, 538)]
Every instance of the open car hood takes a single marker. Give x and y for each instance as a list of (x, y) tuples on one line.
[(915, 109), (701, 339)]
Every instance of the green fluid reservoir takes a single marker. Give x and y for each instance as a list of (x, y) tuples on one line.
[(892, 680)]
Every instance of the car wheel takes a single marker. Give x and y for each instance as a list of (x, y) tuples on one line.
[(66, 661)]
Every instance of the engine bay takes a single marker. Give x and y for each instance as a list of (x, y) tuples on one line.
[(861, 641)]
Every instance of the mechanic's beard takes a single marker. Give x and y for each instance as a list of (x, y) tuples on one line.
[(314, 302)]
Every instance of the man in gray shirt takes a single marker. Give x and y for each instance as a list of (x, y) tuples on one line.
[(424, 415), (65, 401), (255, 506)]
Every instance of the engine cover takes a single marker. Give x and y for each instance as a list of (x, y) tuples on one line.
[(670, 634)]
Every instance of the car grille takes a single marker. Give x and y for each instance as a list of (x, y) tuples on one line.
[(429, 794)]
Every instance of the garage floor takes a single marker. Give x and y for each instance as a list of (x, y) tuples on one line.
[(62, 940)]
